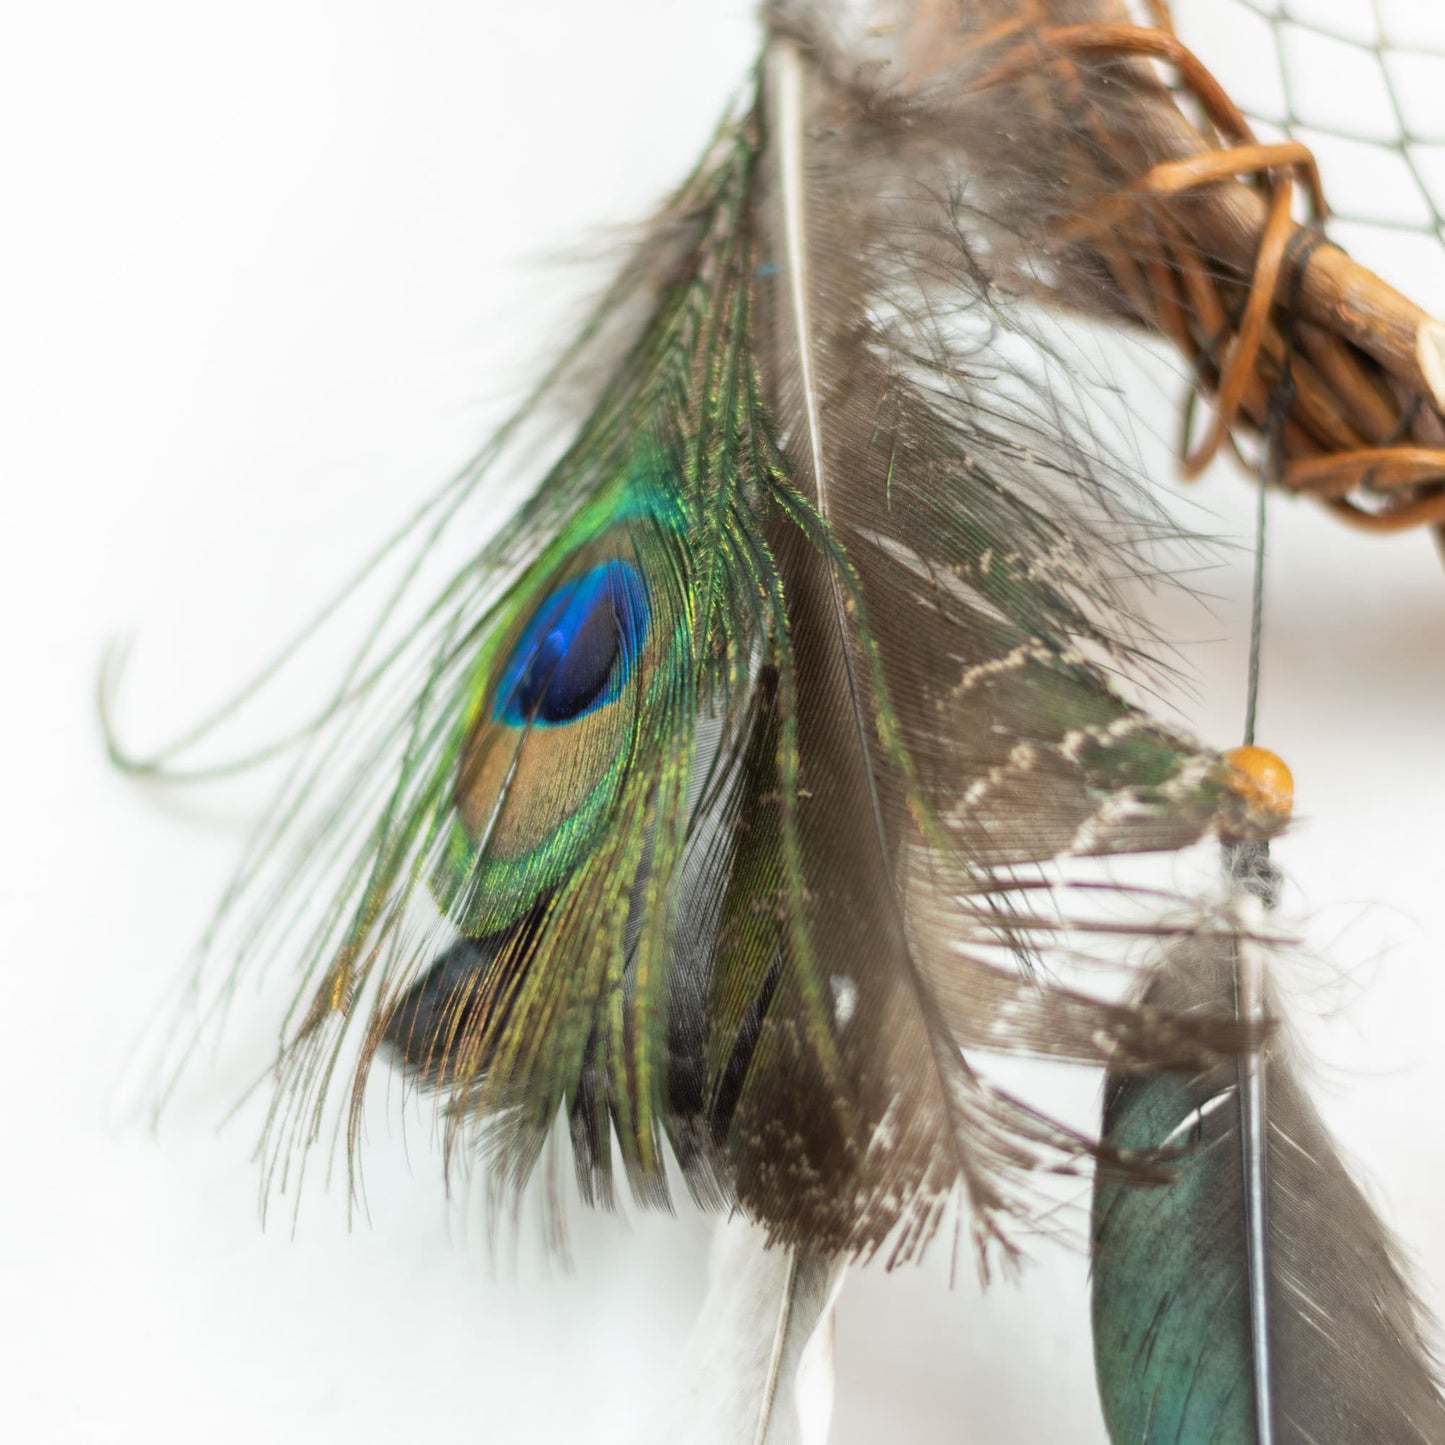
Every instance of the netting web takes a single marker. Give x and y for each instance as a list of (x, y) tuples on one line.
[(1362, 83), (1200, 150)]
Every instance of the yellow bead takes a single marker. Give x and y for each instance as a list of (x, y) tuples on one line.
[(1263, 780)]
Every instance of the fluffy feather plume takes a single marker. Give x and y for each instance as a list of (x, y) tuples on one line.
[(1257, 1296)]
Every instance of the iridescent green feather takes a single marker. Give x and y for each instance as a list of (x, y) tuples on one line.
[(1327, 1345)]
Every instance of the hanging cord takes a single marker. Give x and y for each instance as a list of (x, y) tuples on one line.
[(1268, 475), (1255, 886), (1248, 864), (1272, 464)]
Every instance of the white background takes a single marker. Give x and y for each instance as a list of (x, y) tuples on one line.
[(268, 272)]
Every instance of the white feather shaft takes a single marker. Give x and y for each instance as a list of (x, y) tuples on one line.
[(758, 1368)]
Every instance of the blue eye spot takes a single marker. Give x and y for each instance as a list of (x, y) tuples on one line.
[(578, 649)]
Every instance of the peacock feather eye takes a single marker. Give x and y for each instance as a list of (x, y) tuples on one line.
[(578, 650), (551, 743)]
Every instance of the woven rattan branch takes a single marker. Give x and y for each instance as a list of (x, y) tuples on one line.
[(1175, 216)]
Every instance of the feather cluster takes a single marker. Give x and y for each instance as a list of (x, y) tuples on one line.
[(718, 766), (697, 811)]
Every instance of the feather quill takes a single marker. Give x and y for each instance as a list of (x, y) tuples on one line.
[(1257, 1296)]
